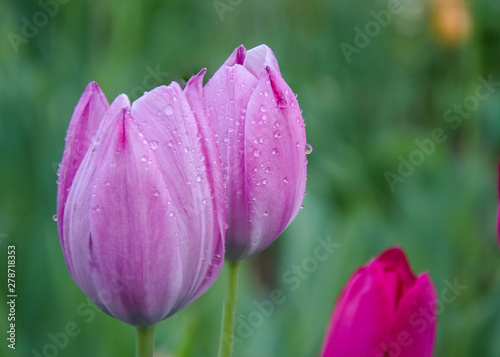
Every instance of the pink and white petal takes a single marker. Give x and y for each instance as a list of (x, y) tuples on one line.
[(275, 159), (130, 216), (260, 57), (75, 214), (85, 120), (226, 97), (177, 139)]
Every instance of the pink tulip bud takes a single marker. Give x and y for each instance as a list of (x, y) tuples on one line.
[(262, 141), (140, 202), (384, 311)]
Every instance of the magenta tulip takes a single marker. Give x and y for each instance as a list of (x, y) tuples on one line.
[(262, 141), (384, 311), (140, 202)]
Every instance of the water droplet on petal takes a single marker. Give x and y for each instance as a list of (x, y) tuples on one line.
[(261, 140), (282, 103), (309, 149), (263, 108), (107, 183), (256, 153), (268, 170), (144, 158), (285, 180), (96, 209), (275, 151), (154, 144), (277, 134), (215, 260), (54, 218), (266, 213), (264, 181), (168, 109), (171, 214), (226, 226)]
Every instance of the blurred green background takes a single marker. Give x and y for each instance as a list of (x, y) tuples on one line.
[(363, 111)]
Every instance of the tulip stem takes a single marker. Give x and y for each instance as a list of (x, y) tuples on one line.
[(144, 341), (228, 313)]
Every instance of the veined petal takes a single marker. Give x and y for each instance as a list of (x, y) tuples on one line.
[(83, 126), (187, 162), (76, 231), (227, 95), (260, 57), (275, 163)]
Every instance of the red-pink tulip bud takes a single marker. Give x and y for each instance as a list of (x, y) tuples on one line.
[(384, 311)]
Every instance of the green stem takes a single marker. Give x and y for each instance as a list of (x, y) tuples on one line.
[(228, 314), (145, 341)]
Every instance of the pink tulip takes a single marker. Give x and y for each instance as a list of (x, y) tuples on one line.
[(262, 141), (140, 202), (384, 311)]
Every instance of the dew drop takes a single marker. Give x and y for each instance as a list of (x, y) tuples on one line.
[(198, 178), (268, 170), (275, 151), (168, 110), (215, 260), (261, 140), (54, 218), (277, 134), (226, 226), (144, 158), (96, 209), (107, 183), (282, 103), (156, 193), (266, 213), (256, 153), (171, 214), (264, 181), (309, 149), (263, 108), (154, 144), (285, 180)]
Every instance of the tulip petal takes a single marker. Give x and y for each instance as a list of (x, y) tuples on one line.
[(83, 126), (363, 317), (415, 325), (193, 179), (227, 112), (275, 162), (76, 234), (237, 57), (259, 58)]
